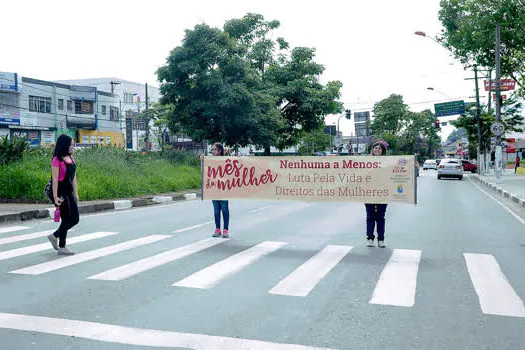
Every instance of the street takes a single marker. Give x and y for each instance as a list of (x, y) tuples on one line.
[(293, 275)]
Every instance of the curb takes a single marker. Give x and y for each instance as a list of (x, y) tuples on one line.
[(104, 206), (500, 191)]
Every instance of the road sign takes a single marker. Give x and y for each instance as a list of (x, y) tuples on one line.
[(497, 128), (505, 85), (449, 108)]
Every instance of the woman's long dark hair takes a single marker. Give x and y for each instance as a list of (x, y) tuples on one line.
[(220, 148), (62, 146)]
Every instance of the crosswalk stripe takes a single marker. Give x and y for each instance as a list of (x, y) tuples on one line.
[(27, 237), (12, 228), (496, 295), (397, 282), (192, 227), (301, 282), (128, 336), (90, 255), (7, 254), (151, 262), (213, 274)]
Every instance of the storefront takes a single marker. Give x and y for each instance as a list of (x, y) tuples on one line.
[(95, 137)]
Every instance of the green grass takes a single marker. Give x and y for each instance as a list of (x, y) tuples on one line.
[(104, 173)]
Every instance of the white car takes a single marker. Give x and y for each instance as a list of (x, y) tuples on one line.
[(430, 164), (450, 167)]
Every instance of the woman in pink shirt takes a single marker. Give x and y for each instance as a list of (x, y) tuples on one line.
[(65, 192)]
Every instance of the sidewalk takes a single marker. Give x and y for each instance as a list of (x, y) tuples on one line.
[(512, 186), (12, 212)]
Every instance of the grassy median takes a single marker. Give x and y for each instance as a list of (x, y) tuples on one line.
[(103, 173)]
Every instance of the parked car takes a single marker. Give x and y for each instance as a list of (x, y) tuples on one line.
[(450, 167), (429, 164), (468, 166)]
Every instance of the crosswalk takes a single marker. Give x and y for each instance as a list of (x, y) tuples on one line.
[(397, 284)]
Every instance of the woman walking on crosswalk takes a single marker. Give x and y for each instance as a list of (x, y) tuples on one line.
[(375, 213), (65, 192)]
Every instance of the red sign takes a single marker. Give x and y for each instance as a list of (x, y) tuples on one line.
[(505, 85), (511, 145), (503, 97)]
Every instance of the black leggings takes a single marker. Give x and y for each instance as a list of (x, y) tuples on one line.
[(70, 217)]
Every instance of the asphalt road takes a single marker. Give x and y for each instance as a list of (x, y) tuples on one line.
[(292, 276)]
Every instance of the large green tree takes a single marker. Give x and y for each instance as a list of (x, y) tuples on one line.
[(469, 28), (239, 86), (389, 115)]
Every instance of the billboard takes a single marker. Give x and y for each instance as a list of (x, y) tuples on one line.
[(361, 116), (8, 81), (505, 85)]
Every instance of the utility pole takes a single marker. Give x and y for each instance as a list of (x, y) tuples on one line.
[(499, 161), (147, 120), (113, 83), (478, 119)]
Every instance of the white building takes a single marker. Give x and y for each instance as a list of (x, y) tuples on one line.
[(41, 110), (132, 100)]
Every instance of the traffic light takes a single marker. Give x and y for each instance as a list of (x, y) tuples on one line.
[(348, 114), (436, 124)]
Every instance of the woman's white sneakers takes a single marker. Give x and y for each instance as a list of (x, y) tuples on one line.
[(380, 244), (65, 251)]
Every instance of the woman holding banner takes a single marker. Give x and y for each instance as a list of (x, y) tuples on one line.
[(375, 213), (217, 149)]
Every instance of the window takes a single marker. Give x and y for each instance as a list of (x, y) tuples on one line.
[(103, 109), (83, 107), (69, 105), (128, 98), (60, 104), (9, 101), (40, 104), (113, 113)]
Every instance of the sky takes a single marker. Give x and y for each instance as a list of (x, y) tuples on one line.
[(369, 46)]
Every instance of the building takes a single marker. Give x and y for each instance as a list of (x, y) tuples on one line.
[(132, 101), (41, 110)]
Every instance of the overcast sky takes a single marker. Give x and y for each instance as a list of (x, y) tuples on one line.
[(369, 46)]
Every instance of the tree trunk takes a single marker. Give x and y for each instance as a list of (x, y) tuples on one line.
[(266, 150)]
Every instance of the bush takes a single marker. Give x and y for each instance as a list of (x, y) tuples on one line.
[(12, 150), (104, 173)]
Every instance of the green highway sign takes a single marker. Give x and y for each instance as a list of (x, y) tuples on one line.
[(449, 108)]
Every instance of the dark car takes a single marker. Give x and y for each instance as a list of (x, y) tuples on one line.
[(468, 166)]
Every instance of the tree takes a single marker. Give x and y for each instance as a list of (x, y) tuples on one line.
[(314, 141), (469, 32), (457, 134), (160, 114), (292, 78), (389, 115), (238, 86)]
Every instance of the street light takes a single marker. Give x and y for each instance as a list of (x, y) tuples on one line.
[(439, 92), (478, 109)]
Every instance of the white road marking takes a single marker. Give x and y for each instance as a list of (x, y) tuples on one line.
[(26, 237), (397, 283), (260, 209), (151, 262), (496, 295), (12, 228), (500, 203), (90, 255), (7, 254), (137, 336), (193, 227), (301, 282), (208, 277)]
